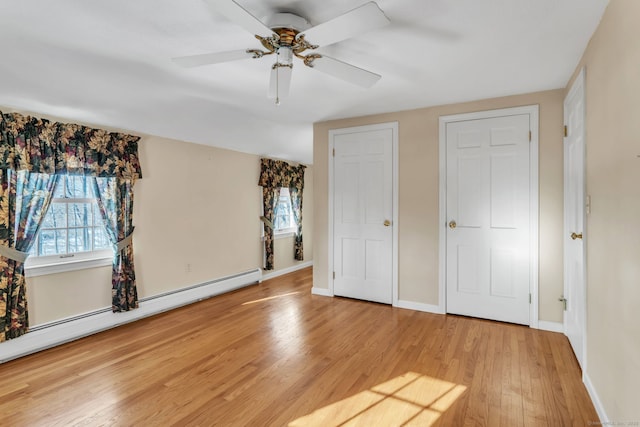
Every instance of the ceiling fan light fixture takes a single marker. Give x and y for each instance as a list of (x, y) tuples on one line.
[(285, 56)]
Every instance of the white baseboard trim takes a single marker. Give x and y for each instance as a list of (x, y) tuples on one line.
[(551, 326), (597, 403), (418, 306), (324, 292), (60, 332), (300, 266)]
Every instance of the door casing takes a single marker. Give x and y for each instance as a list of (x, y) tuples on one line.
[(394, 128), (533, 111)]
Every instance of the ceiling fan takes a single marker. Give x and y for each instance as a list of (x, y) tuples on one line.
[(287, 35)]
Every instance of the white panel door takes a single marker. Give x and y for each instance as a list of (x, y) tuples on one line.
[(363, 212), (574, 211), (488, 215)]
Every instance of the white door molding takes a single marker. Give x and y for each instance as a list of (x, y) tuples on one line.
[(533, 111), (393, 126)]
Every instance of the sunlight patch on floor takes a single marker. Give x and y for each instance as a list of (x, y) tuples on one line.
[(410, 399), (270, 298)]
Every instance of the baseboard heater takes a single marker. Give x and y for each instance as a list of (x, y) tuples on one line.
[(51, 334)]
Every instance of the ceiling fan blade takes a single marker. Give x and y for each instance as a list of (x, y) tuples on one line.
[(239, 15), (211, 58), (347, 72), (279, 82), (357, 21)]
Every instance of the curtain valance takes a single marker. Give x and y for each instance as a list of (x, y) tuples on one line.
[(43, 146), (277, 173)]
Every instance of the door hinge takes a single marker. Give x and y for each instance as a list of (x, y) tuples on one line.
[(566, 131), (334, 152), (529, 298), (334, 275), (529, 136)]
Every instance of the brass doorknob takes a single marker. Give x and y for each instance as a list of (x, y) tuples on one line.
[(575, 236), (386, 223), (452, 224)]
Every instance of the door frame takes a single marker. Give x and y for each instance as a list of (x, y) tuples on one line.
[(331, 193), (578, 85), (533, 111)]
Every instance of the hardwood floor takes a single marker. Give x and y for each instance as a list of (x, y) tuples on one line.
[(273, 354)]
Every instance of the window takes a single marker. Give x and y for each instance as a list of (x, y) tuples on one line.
[(284, 221), (72, 230)]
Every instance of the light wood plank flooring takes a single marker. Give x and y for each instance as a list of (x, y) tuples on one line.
[(273, 354)]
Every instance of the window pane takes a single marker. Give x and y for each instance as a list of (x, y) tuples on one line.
[(45, 242), (100, 239), (56, 216), (281, 222), (59, 190), (283, 214), (78, 187), (97, 216), (79, 240), (281, 219), (52, 242), (79, 214), (70, 225)]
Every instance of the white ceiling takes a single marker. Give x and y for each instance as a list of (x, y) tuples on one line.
[(109, 63)]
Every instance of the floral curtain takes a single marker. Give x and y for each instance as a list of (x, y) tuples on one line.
[(24, 199), (296, 207), (275, 174), (270, 198), (40, 146), (115, 202)]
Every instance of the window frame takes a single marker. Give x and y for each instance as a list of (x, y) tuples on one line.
[(70, 261)]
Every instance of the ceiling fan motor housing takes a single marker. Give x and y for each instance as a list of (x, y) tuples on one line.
[(287, 26), (287, 21), (287, 40)]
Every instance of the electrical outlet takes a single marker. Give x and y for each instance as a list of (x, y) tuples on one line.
[(187, 268)]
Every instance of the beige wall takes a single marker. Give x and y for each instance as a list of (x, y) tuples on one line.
[(418, 196), (195, 205), (612, 67), (57, 296)]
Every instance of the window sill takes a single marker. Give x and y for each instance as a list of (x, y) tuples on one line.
[(61, 267), (284, 234)]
